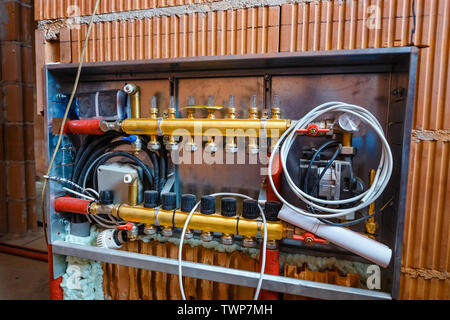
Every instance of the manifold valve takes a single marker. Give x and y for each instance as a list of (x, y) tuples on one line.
[(108, 239)]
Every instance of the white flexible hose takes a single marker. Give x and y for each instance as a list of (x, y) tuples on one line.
[(263, 255), (382, 176)]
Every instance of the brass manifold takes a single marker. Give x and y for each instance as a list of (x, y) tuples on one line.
[(207, 127), (207, 223)]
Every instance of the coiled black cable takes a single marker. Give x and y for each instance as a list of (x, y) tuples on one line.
[(329, 164)]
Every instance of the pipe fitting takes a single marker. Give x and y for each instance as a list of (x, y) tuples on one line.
[(227, 239), (248, 242), (134, 94), (132, 181), (206, 236)]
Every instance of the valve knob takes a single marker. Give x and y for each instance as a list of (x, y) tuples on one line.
[(151, 199), (313, 130), (187, 202), (250, 209), (309, 238), (208, 205), (228, 207), (106, 197), (127, 226), (131, 138), (271, 210), (169, 201)]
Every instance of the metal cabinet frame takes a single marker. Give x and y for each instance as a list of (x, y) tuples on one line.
[(401, 63)]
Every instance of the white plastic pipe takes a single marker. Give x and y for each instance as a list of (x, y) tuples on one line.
[(343, 237)]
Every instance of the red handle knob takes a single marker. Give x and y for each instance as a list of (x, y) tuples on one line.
[(309, 238), (127, 226), (313, 130)]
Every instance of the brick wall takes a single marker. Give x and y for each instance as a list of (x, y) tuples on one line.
[(17, 166)]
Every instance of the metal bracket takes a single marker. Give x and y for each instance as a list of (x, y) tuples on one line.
[(215, 273)]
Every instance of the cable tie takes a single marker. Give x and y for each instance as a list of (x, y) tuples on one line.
[(160, 133), (157, 224), (173, 218)]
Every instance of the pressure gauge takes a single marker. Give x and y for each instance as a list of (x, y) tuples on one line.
[(349, 122)]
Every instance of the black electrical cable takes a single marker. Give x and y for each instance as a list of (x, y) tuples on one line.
[(352, 223), (327, 167), (413, 30), (95, 145), (99, 152), (89, 139), (326, 145), (154, 160), (163, 163), (330, 162)]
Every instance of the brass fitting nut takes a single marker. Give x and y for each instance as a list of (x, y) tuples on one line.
[(206, 236), (227, 239), (167, 232), (248, 242)]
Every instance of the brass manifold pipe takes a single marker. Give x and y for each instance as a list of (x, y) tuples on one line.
[(207, 127), (207, 223), (134, 92)]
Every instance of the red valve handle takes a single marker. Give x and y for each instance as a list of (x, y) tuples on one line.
[(309, 238), (313, 130), (127, 226)]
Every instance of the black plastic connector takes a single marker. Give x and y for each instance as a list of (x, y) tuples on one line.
[(169, 201), (187, 202), (208, 205), (228, 207), (271, 210), (151, 199), (250, 209), (106, 197)]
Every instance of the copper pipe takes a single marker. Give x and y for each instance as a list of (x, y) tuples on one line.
[(24, 252)]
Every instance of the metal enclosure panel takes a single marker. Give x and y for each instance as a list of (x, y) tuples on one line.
[(363, 70)]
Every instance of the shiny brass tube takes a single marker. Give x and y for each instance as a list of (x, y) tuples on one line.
[(206, 223), (207, 127), (134, 92), (133, 186)]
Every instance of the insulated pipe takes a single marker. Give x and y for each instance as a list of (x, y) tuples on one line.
[(343, 237), (83, 127), (276, 177), (72, 205), (272, 267), (23, 252)]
